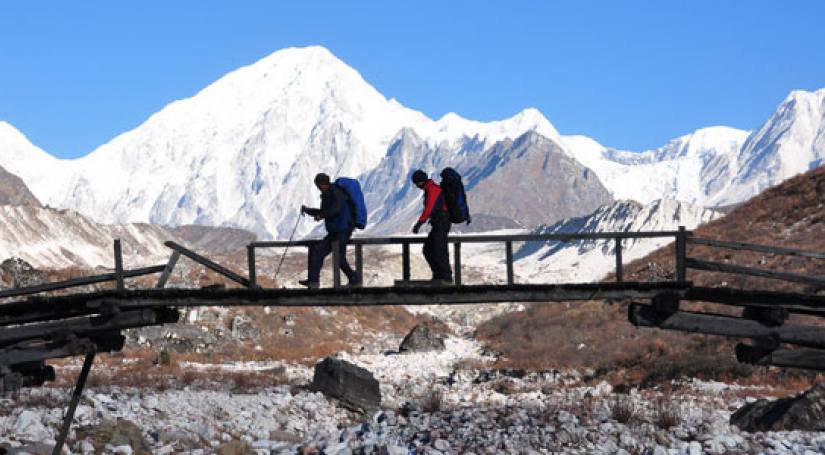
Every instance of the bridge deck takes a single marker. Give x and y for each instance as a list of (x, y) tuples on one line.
[(45, 308)]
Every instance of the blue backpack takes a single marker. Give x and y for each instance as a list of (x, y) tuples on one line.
[(355, 199), (453, 191)]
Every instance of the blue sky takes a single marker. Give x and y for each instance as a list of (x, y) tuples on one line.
[(631, 74)]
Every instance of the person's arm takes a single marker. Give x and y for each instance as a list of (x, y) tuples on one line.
[(310, 211), (430, 198), (333, 209)]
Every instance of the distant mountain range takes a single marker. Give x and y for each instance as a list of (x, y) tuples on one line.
[(242, 153)]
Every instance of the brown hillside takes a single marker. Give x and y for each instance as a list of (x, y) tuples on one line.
[(597, 335)]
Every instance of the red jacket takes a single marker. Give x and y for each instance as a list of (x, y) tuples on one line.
[(431, 193)]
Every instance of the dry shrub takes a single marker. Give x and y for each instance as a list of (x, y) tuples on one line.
[(623, 409), (667, 413), (433, 401)]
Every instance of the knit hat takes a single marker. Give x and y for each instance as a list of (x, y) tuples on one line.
[(321, 179), (419, 176)]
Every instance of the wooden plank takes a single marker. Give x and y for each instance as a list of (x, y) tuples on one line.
[(214, 266), (167, 269), (80, 281), (809, 359), (457, 263), (741, 270), (118, 266), (715, 324), (508, 253), (250, 263), (619, 277), (418, 283), (758, 248)]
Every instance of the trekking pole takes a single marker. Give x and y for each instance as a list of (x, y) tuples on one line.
[(288, 243)]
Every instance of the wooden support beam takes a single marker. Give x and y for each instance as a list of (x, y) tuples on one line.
[(619, 274), (750, 271), (794, 302), (681, 254), (214, 266), (715, 324), (118, 266), (359, 262), (250, 263), (809, 359), (666, 303), (772, 316), (405, 261), (78, 391), (457, 263), (508, 259), (167, 269)]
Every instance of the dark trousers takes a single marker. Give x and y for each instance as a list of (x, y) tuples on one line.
[(435, 248), (320, 250)]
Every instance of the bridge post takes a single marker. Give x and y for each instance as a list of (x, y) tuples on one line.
[(681, 253), (250, 259), (619, 274), (118, 266), (359, 261), (457, 263), (508, 252), (78, 391), (336, 264), (405, 261)]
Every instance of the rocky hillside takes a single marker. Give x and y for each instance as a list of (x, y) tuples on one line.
[(13, 191)]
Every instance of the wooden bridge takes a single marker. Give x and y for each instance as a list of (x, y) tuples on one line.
[(36, 327)]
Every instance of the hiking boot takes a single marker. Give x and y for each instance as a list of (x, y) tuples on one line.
[(309, 284), (354, 282)]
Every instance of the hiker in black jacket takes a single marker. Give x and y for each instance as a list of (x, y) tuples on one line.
[(339, 221)]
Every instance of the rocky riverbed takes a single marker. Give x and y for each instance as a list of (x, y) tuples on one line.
[(432, 403)]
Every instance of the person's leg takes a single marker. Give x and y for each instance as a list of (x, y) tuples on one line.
[(343, 240), (317, 253), (428, 253), (441, 255)]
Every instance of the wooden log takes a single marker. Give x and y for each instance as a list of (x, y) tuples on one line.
[(214, 266), (809, 359), (772, 316), (742, 270), (794, 302), (167, 269), (75, 282), (715, 324), (666, 302), (757, 248)]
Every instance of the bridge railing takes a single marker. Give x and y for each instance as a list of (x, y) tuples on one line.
[(699, 264), (680, 236)]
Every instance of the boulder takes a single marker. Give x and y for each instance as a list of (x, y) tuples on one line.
[(120, 433), (355, 387), (804, 412), (17, 273), (422, 338)]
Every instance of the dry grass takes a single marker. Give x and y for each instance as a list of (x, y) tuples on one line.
[(667, 413), (623, 409)]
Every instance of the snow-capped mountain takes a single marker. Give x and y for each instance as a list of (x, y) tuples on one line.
[(568, 262), (243, 151), (692, 168), (792, 141)]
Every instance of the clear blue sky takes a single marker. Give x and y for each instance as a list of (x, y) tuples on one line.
[(631, 74)]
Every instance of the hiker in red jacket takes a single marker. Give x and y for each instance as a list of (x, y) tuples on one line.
[(435, 210)]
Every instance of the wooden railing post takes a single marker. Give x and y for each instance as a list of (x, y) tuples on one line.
[(359, 261), (405, 261), (250, 259), (336, 264), (457, 263), (681, 253), (619, 274), (118, 266), (508, 251)]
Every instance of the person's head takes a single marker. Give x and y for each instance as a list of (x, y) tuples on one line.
[(419, 178), (322, 181)]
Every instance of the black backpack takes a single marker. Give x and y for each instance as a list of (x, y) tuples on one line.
[(452, 189)]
